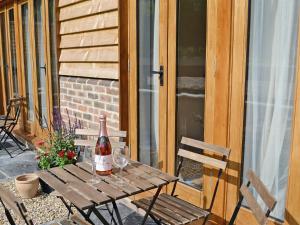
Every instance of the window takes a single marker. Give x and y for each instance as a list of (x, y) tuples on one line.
[(270, 93), (4, 61), (13, 53), (35, 52), (27, 62), (190, 82)]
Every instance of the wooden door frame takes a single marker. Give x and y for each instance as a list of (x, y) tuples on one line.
[(133, 80)]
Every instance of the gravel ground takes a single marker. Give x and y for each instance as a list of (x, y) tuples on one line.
[(41, 209)]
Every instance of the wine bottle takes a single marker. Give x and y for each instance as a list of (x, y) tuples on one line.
[(103, 157)]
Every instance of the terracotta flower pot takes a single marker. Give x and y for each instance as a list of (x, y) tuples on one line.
[(27, 185)]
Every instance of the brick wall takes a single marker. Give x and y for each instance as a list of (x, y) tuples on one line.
[(88, 98)]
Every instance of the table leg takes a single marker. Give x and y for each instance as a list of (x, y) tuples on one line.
[(100, 217), (86, 216), (111, 214), (67, 206), (117, 213), (151, 205)]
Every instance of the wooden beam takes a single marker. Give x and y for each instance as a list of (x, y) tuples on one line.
[(123, 67)]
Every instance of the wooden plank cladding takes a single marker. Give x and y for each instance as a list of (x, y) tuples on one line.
[(89, 33), (96, 54), (95, 22), (63, 3), (103, 70), (88, 39), (87, 8)]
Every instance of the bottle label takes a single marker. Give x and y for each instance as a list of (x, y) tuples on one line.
[(103, 162)]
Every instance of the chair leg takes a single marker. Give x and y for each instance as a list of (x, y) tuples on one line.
[(8, 133), (205, 219), (236, 211), (4, 148), (7, 214)]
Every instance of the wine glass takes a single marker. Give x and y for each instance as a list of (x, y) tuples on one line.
[(121, 158), (89, 156)]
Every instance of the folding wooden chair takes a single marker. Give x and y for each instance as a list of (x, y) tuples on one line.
[(169, 209), (88, 137), (8, 124), (260, 215), (10, 201)]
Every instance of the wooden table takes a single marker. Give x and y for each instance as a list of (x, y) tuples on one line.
[(72, 184)]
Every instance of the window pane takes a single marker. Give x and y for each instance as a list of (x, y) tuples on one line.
[(53, 53), (148, 92), (13, 52), (190, 84), (4, 56), (270, 94), (27, 65), (41, 70)]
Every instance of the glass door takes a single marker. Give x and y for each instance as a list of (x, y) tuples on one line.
[(39, 62), (13, 52), (148, 82), (27, 66), (149, 70), (270, 93), (40, 46), (4, 59), (187, 93)]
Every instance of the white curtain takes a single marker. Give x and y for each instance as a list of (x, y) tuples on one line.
[(148, 83), (155, 86), (270, 93)]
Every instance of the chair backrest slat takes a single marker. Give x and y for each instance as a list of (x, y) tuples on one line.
[(93, 132), (254, 206), (205, 146), (202, 159), (14, 109), (10, 200), (92, 143), (15, 204), (261, 189)]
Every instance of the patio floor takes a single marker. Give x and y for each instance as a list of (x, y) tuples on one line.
[(24, 162)]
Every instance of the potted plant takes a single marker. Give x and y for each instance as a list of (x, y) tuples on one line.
[(58, 149)]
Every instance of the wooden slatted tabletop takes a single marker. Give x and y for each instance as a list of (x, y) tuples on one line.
[(73, 182)]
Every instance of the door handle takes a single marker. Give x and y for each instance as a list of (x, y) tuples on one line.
[(161, 75), (44, 68)]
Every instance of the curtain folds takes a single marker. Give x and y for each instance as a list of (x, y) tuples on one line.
[(270, 93)]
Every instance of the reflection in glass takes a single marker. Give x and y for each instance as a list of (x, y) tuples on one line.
[(53, 52), (13, 52), (41, 69), (27, 64), (4, 56), (190, 82), (148, 60)]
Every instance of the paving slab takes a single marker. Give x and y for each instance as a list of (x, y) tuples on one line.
[(2, 176), (22, 163)]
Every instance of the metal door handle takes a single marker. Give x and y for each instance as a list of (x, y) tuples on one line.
[(161, 75), (44, 68)]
